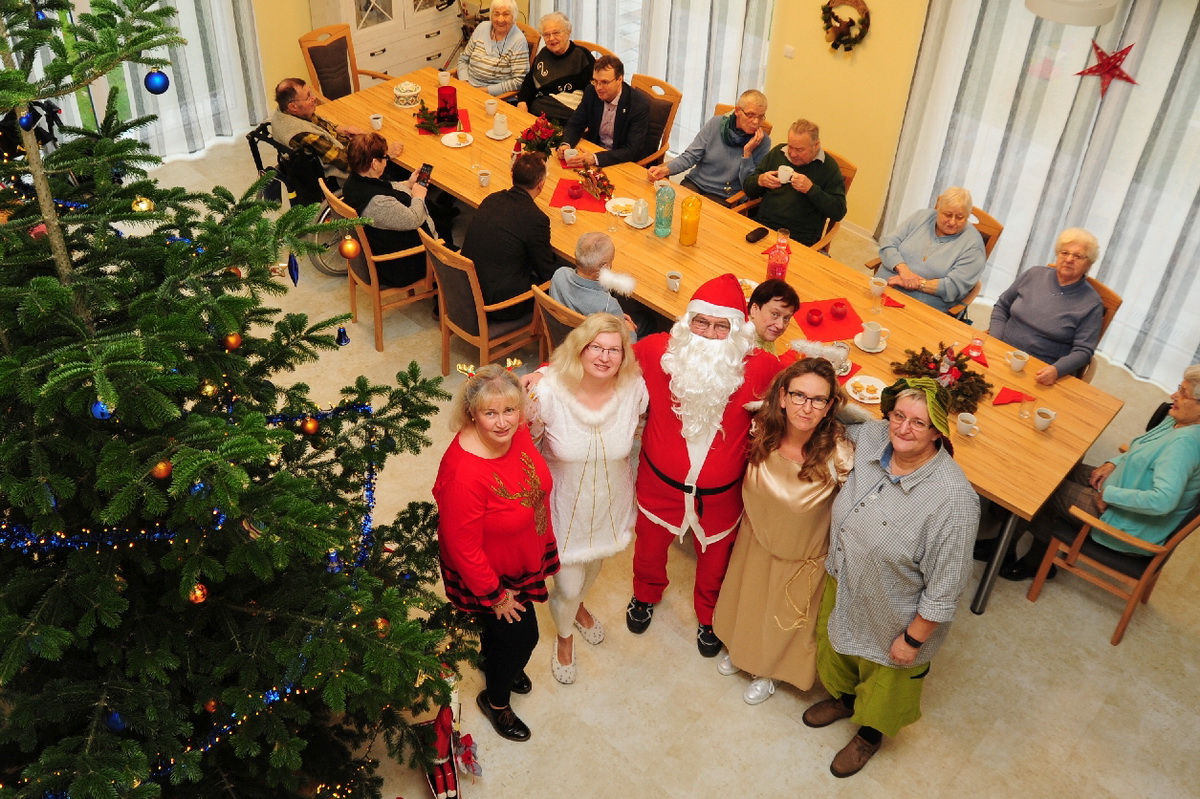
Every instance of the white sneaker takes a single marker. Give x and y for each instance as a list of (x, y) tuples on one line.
[(759, 691), (726, 666)]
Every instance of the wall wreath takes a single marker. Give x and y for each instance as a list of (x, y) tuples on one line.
[(845, 32)]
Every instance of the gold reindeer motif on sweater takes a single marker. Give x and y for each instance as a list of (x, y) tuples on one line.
[(530, 496)]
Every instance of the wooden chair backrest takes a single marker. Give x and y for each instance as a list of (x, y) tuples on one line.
[(989, 228), (595, 49), (329, 54), (664, 104), (461, 297), (533, 36), (556, 319), (1111, 299), (362, 265)]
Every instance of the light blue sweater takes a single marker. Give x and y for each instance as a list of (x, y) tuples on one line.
[(719, 168), (956, 262)]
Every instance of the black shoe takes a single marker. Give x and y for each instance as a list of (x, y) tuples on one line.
[(707, 641), (638, 615), (985, 548), (504, 721), (521, 684), (1023, 570)]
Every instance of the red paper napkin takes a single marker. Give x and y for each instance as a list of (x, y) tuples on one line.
[(1008, 395), (890, 303), (463, 116), (854, 367), (585, 202), (980, 359), (830, 329)]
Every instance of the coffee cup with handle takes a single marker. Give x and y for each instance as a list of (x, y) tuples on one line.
[(568, 214), (1017, 359), (784, 173), (1042, 418), (968, 425)]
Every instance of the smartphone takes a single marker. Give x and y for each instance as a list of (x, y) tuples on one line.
[(423, 174), (756, 235)]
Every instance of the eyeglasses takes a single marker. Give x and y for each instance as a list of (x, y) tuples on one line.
[(799, 398), (1067, 255), (916, 425), (1184, 392), (701, 324), (600, 84), (595, 350), (752, 117)]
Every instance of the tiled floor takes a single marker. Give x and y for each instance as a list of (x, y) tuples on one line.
[(1026, 700)]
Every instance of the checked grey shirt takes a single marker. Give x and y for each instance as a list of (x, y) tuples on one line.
[(898, 546)]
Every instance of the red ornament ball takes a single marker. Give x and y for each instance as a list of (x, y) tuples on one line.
[(349, 248), (161, 470), (211, 706), (198, 594), (310, 426), (382, 626), (233, 341)]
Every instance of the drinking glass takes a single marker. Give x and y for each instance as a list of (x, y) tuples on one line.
[(878, 285)]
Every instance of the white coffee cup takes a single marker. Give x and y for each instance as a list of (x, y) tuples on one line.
[(1017, 359), (376, 121), (490, 105), (568, 214), (1042, 418), (967, 425), (443, 79), (500, 125), (878, 286), (673, 280), (873, 335), (570, 153), (785, 173), (485, 177)]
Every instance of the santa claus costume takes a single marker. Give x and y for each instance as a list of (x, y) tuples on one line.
[(703, 389)]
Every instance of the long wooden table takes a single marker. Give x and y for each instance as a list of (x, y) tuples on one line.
[(1009, 462)]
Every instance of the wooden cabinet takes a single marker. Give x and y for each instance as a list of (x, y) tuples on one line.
[(395, 36)]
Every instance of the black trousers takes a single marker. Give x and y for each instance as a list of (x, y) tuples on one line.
[(506, 648)]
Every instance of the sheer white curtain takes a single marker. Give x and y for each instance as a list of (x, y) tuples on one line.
[(996, 107), (711, 50), (216, 81)]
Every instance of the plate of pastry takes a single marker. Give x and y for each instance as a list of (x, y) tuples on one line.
[(459, 139)]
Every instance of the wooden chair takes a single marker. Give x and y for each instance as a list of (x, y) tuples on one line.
[(990, 229), (1112, 301), (724, 108), (664, 103), (1131, 577), (595, 49), (361, 271), (463, 313), (533, 36), (554, 320), (332, 69)]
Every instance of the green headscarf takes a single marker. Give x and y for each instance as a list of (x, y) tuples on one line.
[(937, 399)]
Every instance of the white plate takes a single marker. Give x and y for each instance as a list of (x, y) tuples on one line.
[(748, 286), (625, 203), (494, 137), (629, 221), (858, 343), (860, 388), (451, 139)]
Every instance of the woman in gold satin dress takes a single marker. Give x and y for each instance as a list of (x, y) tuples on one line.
[(799, 458)]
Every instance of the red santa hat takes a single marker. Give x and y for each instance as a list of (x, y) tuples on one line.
[(721, 297)]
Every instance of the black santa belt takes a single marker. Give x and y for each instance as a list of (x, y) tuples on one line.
[(696, 491)]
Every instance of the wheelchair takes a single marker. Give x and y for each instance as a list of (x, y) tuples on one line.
[(297, 172)]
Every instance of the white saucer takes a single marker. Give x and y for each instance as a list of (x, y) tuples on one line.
[(494, 137), (858, 343), (451, 139), (629, 221)]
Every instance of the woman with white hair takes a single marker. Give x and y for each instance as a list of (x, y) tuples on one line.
[(1054, 314), (560, 72), (935, 256), (497, 56)]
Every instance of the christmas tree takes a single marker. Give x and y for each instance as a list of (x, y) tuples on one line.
[(194, 599)]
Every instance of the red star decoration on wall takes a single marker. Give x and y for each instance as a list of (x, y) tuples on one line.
[(1108, 67)]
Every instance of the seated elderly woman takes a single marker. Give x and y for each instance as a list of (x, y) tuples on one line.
[(396, 208), (560, 72), (1054, 314), (1145, 492), (497, 56), (935, 256), (587, 288)]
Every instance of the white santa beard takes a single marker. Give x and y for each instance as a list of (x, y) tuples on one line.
[(704, 374)]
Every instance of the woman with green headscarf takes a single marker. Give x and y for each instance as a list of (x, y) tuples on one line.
[(899, 560)]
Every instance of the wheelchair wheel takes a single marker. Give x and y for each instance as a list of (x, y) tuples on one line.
[(328, 261)]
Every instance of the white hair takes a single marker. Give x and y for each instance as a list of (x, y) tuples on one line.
[(560, 18), (511, 5)]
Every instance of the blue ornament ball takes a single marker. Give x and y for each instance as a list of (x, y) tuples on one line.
[(26, 121), (156, 81), (101, 411), (113, 720)]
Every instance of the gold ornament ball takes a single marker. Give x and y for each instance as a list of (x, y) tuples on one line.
[(142, 204), (198, 594), (161, 470), (349, 248), (208, 388), (310, 426), (382, 626), (233, 341)]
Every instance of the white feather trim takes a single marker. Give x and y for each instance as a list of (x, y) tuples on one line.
[(619, 282)]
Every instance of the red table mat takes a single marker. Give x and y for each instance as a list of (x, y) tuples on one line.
[(585, 201), (463, 116), (830, 329), (1008, 395)]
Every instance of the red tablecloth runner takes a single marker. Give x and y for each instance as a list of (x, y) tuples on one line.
[(585, 201), (464, 117), (830, 329)]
